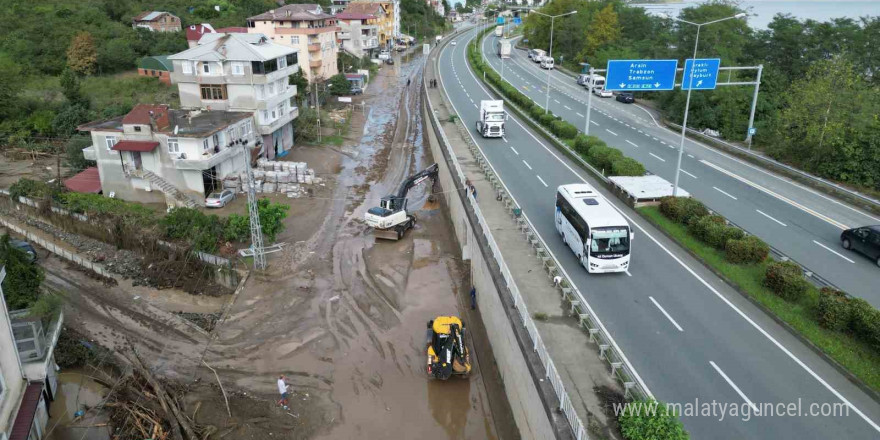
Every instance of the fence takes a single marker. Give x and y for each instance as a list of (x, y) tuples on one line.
[(608, 349), (61, 252)]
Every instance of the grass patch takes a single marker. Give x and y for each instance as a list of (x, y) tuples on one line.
[(857, 357), (335, 139)]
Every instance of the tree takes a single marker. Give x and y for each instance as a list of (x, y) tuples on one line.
[(70, 88), (271, 216), (8, 89), (69, 117), (22, 284), (299, 80), (81, 54), (604, 29), (117, 55), (339, 85), (73, 154)]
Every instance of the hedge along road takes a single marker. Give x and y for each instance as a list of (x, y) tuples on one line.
[(799, 222), (667, 290)]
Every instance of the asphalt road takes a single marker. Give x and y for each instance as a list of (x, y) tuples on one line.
[(800, 222), (689, 336)]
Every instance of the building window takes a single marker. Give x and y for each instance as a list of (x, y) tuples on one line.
[(280, 109), (294, 39), (217, 141), (206, 68), (282, 62), (205, 145), (271, 88), (230, 134), (265, 116), (248, 126), (274, 115), (292, 59), (137, 128), (173, 146), (238, 69), (110, 141), (187, 67), (261, 90), (213, 91)]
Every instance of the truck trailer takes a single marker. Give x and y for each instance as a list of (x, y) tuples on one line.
[(503, 47)]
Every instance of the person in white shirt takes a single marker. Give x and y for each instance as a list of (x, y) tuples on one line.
[(282, 388)]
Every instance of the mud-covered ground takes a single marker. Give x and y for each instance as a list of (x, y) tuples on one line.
[(342, 315)]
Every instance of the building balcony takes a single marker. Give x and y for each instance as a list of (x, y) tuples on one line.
[(35, 339), (89, 153), (206, 160), (314, 64), (273, 101), (267, 129), (315, 47)]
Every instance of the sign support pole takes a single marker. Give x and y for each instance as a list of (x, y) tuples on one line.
[(589, 102), (687, 104), (754, 104)]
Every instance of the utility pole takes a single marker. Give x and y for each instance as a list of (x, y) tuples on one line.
[(589, 101), (254, 212), (754, 104), (552, 20)]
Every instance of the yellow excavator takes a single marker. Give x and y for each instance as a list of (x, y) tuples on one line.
[(447, 352)]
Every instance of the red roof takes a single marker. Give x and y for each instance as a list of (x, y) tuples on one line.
[(142, 146), (354, 16), (140, 114), (26, 412), (88, 181), (194, 32), (232, 30)]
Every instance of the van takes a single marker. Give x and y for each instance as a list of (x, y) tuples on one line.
[(536, 55), (547, 63)]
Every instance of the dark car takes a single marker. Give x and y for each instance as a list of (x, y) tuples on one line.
[(24, 247), (389, 61), (626, 97), (356, 90), (865, 240)]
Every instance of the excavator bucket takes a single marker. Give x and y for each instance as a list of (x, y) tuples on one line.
[(387, 234)]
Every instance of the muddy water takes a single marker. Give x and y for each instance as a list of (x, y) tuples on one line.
[(76, 391), (345, 321)]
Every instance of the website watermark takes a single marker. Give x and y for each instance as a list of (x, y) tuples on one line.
[(744, 411)]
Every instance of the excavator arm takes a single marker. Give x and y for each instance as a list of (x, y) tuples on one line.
[(397, 201)]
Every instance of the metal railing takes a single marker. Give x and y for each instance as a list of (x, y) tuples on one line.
[(609, 351)]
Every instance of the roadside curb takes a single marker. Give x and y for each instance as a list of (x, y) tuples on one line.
[(875, 395)]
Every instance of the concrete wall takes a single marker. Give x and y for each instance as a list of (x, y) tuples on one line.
[(528, 407)]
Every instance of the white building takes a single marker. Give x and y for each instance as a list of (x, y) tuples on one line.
[(28, 379), (359, 33), (158, 155), (242, 73)]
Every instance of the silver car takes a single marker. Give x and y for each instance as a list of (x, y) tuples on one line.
[(219, 199)]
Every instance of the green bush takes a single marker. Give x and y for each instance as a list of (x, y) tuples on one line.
[(271, 215), (786, 279), (700, 228), (238, 228), (865, 321), (672, 208), (32, 189), (563, 129), (547, 120), (582, 144), (602, 156), (746, 250), (21, 287), (834, 309), (117, 210), (693, 210), (627, 166), (200, 231), (650, 425), (536, 112)]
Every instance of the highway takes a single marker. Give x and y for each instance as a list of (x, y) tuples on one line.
[(688, 335), (798, 221)]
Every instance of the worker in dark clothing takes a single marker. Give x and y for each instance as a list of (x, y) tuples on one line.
[(407, 82), (473, 298)]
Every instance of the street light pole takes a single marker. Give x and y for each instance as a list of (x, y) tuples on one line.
[(589, 102), (552, 19), (687, 102)]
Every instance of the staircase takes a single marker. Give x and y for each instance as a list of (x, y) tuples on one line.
[(167, 188)]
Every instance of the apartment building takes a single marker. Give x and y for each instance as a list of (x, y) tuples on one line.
[(392, 10), (306, 28), (28, 378), (242, 73), (383, 19), (337, 6), (155, 154), (359, 33), (156, 21)]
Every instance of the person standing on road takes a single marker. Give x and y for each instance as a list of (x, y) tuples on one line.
[(282, 388), (473, 298)]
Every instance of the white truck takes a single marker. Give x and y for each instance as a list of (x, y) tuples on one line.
[(537, 55), (492, 117), (503, 47), (499, 30)]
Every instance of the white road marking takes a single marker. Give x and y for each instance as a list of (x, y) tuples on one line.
[(833, 251), (735, 388), (594, 123), (691, 156), (630, 142), (675, 258), (628, 274), (542, 180), (780, 197), (611, 132), (514, 150), (658, 157), (527, 164), (771, 218), (567, 107), (665, 314), (504, 139), (557, 101), (726, 194), (579, 115), (689, 174)]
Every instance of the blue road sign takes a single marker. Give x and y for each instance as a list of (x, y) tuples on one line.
[(517, 20), (641, 75), (500, 20), (752, 131), (705, 73)]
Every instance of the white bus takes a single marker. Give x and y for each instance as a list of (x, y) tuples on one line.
[(595, 231)]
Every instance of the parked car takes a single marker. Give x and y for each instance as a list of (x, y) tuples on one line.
[(454, 43), (389, 61), (219, 199), (602, 93), (24, 247), (626, 97), (865, 240), (356, 90)]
